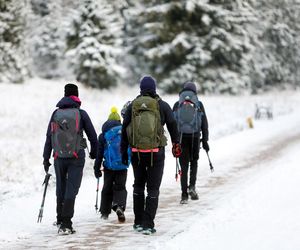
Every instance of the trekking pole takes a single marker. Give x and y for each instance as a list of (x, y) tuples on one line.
[(210, 164), (97, 191), (178, 170), (47, 177)]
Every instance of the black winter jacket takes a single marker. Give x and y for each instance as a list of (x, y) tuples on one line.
[(204, 124), (166, 116)]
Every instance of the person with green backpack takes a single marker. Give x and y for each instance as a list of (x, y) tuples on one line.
[(143, 131)]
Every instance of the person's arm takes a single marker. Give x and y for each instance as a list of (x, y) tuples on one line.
[(204, 124), (100, 151), (90, 132), (48, 145), (170, 122), (126, 122)]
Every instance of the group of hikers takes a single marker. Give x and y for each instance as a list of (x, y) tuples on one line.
[(139, 140)]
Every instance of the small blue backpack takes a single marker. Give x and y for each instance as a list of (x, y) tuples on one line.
[(112, 154)]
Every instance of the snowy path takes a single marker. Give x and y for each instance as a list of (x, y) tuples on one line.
[(236, 168)]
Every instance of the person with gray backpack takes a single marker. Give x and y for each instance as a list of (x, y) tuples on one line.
[(143, 131), (65, 138), (192, 124)]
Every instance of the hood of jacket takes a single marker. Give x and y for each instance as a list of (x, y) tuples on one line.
[(69, 102)]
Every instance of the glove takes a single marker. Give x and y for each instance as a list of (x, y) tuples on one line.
[(97, 172), (176, 150), (46, 164), (205, 146), (92, 155), (125, 158)]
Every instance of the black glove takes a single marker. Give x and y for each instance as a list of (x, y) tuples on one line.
[(205, 146), (176, 150), (46, 164), (97, 172), (125, 158), (92, 155)]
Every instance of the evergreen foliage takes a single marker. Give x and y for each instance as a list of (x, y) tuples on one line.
[(13, 67), (91, 45), (48, 44)]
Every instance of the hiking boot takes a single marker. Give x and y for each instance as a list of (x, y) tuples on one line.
[(184, 198), (193, 193), (57, 223), (137, 227), (148, 231), (120, 214), (104, 216), (65, 230)]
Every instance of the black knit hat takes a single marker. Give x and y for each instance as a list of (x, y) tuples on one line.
[(190, 86), (148, 83), (71, 89)]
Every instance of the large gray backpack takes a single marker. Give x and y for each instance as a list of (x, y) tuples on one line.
[(66, 135), (188, 114)]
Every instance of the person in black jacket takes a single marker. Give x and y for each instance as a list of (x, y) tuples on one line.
[(148, 166), (69, 170), (190, 143), (114, 193)]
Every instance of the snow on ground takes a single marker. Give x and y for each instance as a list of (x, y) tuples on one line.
[(249, 198)]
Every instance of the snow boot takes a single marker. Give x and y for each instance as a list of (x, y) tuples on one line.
[(120, 214), (148, 231), (104, 216), (193, 193), (184, 198), (137, 228), (65, 230)]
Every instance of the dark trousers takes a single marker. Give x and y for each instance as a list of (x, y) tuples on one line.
[(189, 159), (144, 173), (68, 179), (114, 191)]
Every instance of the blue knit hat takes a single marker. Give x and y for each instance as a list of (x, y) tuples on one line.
[(148, 83), (190, 86)]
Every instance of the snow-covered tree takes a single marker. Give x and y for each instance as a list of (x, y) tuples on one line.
[(47, 39), (92, 44), (191, 40), (276, 57), (13, 66)]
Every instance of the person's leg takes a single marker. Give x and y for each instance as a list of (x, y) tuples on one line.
[(154, 177), (60, 173), (107, 193), (73, 182), (193, 169), (120, 193), (184, 161), (140, 176)]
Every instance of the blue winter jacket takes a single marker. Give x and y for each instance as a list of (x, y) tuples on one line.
[(85, 125)]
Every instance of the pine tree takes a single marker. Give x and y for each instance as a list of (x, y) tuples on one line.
[(179, 41), (92, 45), (276, 59), (13, 67), (47, 39)]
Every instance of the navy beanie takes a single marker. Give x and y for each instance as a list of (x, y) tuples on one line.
[(190, 86), (71, 89), (148, 83)]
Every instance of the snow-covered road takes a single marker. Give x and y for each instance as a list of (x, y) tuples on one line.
[(247, 203)]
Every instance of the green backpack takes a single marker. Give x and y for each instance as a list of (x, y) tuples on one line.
[(145, 130)]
